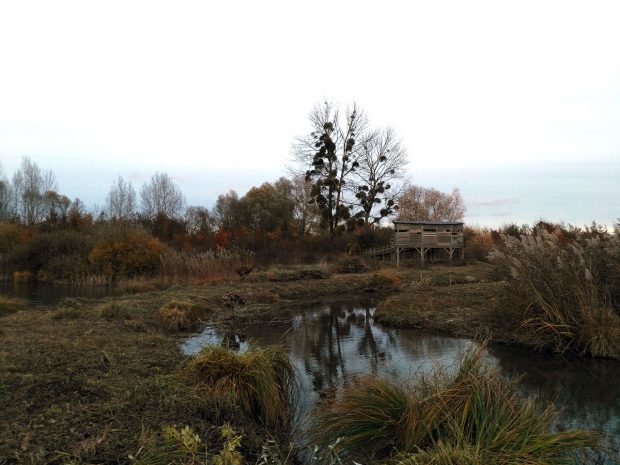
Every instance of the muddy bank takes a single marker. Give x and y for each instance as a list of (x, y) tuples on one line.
[(462, 310)]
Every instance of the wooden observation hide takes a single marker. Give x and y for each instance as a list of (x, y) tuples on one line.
[(426, 237)]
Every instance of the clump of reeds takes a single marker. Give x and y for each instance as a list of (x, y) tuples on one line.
[(206, 266), (470, 415), (567, 290), (180, 315), (261, 382), (10, 305)]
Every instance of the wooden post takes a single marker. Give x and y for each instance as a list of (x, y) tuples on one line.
[(422, 248), (451, 243), (396, 244)]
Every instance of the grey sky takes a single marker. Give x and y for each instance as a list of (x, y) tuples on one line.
[(516, 103)]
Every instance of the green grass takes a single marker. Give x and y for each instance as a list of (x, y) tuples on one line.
[(261, 382), (471, 415)]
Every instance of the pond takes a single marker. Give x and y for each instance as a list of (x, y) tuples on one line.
[(47, 295), (329, 342)]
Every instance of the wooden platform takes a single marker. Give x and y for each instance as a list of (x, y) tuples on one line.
[(424, 237)]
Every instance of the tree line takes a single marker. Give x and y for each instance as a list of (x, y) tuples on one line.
[(347, 179)]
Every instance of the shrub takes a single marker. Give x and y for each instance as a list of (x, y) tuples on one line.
[(128, 253), (55, 255), (478, 243), (387, 277), (567, 291), (184, 446), (465, 415), (10, 237), (260, 382), (350, 264)]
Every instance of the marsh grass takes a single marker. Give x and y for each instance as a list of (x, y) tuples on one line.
[(566, 291), (10, 305), (260, 382), (178, 315), (470, 414)]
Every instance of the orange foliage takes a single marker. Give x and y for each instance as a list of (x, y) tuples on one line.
[(222, 239), (131, 255)]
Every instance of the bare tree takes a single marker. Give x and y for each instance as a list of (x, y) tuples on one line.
[(121, 200), (162, 197), (380, 174), (30, 184), (328, 156), (305, 213), (6, 205), (428, 204)]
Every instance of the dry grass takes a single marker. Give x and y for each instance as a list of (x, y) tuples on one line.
[(470, 414), (261, 381), (181, 315), (565, 292), (10, 305), (467, 310), (387, 277), (87, 389)]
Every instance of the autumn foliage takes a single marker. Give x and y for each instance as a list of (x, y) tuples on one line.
[(129, 254)]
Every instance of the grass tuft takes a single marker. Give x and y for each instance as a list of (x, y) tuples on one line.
[(261, 382), (180, 315), (468, 415)]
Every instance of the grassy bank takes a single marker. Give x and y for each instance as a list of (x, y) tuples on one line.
[(92, 381)]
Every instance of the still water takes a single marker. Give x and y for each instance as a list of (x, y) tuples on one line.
[(47, 295), (328, 343)]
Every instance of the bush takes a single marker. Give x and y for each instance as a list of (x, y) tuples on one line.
[(566, 291), (470, 414), (478, 243), (387, 277), (260, 382), (128, 253), (59, 255), (350, 264)]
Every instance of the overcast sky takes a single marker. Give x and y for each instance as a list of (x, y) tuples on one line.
[(516, 103)]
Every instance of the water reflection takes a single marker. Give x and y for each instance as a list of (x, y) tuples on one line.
[(42, 294), (587, 391), (328, 343)]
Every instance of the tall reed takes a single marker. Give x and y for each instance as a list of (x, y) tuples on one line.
[(567, 291)]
